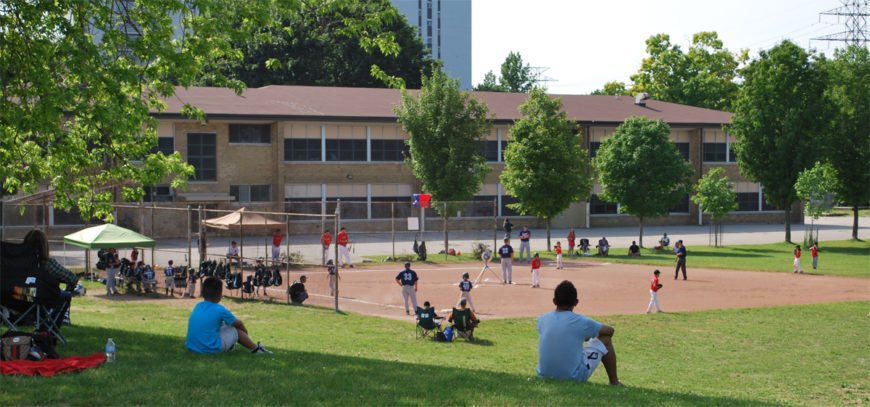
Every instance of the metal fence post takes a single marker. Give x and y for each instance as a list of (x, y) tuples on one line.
[(337, 261)]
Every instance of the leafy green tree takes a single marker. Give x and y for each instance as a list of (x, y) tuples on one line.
[(848, 144), (781, 113), (715, 194), (489, 84), (329, 43), (545, 168), (515, 76), (814, 186), (703, 77), (613, 88), (642, 170), (445, 126)]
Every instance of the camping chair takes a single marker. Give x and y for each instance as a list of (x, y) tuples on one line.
[(426, 322), (28, 289), (463, 326)]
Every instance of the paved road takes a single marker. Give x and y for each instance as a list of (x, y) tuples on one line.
[(830, 228)]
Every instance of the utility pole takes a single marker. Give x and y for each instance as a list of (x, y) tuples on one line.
[(855, 13)]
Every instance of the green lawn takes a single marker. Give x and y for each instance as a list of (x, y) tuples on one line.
[(815, 355), (837, 257)]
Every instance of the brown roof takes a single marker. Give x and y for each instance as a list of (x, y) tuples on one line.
[(368, 104)]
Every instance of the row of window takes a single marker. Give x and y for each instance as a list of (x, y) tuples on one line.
[(746, 202)]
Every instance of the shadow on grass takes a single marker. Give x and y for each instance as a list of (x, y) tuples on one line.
[(157, 370)]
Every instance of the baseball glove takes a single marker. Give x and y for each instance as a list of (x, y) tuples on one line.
[(659, 286)]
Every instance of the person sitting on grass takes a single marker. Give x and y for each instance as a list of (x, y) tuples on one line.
[(298, 293), (665, 241), (634, 249), (561, 333), (212, 328), (603, 247)]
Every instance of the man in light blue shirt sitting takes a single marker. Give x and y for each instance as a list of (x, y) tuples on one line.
[(212, 328), (561, 354)]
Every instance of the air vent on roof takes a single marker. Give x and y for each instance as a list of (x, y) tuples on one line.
[(640, 97)]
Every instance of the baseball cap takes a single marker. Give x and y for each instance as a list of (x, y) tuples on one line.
[(407, 263), (302, 276), (536, 254)]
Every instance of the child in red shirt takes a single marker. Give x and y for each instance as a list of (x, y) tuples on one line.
[(814, 249), (797, 259), (536, 271), (558, 250), (653, 292)]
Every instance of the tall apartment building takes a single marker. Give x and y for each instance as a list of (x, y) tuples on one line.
[(445, 27)]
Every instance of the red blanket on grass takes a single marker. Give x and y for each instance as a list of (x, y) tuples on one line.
[(50, 367)]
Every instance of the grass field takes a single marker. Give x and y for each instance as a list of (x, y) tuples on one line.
[(797, 355), (838, 258)]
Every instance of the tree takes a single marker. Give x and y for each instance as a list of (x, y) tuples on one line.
[(781, 113), (489, 84), (613, 88), (445, 126), (545, 168), (642, 170), (848, 144), (715, 194), (515, 77), (703, 77), (814, 187), (328, 43)]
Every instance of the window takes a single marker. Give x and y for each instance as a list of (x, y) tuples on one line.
[(303, 199), (158, 193), (593, 148), (353, 197), (251, 193), (389, 150), (682, 207), (505, 200), (302, 149), (251, 133), (747, 201), (488, 149), (202, 155), (683, 148), (719, 147), (165, 145), (345, 143), (596, 136), (600, 207), (391, 200)]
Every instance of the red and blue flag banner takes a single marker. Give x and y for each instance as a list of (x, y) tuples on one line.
[(422, 200)]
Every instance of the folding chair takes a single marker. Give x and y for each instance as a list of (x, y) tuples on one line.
[(426, 322), (463, 326), (28, 289)]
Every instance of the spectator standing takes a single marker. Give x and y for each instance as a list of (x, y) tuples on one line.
[(330, 276), (325, 241), (407, 279), (654, 288), (277, 238), (571, 238), (525, 236), (536, 271), (112, 263), (506, 252), (680, 251), (343, 253), (508, 227), (814, 250)]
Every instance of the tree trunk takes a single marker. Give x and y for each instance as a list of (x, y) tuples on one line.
[(640, 233), (548, 234), (855, 222), (788, 223)]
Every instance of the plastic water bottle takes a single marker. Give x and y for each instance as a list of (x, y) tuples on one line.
[(110, 350)]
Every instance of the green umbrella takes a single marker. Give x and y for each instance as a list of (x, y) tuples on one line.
[(107, 236)]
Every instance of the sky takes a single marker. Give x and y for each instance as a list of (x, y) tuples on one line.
[(585, 43)]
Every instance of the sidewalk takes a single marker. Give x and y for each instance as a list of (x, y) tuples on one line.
[(368, 244)]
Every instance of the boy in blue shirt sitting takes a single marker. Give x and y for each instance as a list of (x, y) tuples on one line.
[(212, 328)]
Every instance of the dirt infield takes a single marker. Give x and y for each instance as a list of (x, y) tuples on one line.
[(605, 288)]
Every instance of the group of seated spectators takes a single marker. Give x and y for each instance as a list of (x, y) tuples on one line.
[(462, 318), (603, 247)]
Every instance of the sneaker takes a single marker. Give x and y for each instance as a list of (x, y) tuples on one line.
[(260, 349), (351, 266)]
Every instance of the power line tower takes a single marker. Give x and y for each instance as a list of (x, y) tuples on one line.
[(855, 13)]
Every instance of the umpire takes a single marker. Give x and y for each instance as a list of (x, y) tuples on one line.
[(407, 279)]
